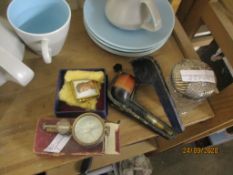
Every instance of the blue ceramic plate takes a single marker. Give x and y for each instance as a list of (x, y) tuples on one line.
[(126, 54), (98, 24), (125, 51)]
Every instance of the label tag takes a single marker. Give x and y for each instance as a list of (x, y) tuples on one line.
[(58, 143), (110, 140), (198, 76)]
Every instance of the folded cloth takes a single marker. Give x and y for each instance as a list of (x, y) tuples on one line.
[(66, 93), (84, 75)]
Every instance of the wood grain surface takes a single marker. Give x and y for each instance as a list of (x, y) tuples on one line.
[(220, 26), (102, 161), (21, 107), (228, 7)]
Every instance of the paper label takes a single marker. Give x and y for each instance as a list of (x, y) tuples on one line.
[(58, 143), (198, 76), (85, 89), (110, 138)]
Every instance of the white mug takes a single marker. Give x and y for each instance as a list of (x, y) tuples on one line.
[(42, 24), (11, 56), (133, 14)]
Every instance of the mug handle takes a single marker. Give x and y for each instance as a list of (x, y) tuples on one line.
[(46, 51), (17, 70), (154, 24)]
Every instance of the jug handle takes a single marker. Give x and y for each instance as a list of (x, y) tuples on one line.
[(156, 23), (16, 69), (46, 51)]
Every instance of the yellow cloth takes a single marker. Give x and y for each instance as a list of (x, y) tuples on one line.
[(66, 93), (67, 96), (84, 75)]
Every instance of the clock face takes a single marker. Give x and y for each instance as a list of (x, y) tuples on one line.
[(88, 129)]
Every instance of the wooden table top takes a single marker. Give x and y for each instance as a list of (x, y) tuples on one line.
[(21, 107)]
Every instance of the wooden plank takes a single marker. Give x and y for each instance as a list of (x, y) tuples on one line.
[(228, 7), (175, 4), (80, 3), (202, 41), (73, 4), (3, 5), (184, 42), (184, 9), (222, 106), (102, 161), (221, 28), (222, 103), (196, 132), (193, 19), (24, 106), (218, 9)]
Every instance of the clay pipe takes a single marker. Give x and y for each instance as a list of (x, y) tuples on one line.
[(121, 92)]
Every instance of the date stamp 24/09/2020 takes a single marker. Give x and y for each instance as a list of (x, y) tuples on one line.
[(199, 150)]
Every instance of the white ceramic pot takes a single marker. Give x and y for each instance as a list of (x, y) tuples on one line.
[(11, 56)]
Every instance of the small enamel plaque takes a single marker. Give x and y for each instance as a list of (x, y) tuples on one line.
[(85, 89)]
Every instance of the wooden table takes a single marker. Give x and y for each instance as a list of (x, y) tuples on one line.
[(22, 107)]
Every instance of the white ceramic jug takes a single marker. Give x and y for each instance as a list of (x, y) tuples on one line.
[(11, 56), (133, 14)]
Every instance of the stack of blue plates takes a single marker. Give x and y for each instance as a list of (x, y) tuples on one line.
[(129, 43)]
